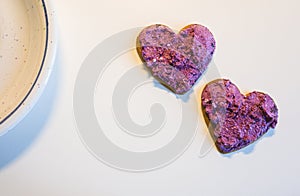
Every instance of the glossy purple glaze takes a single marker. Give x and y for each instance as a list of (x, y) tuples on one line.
[(236, 120), (176, 60)]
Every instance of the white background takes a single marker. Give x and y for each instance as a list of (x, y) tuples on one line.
[(258, 48)]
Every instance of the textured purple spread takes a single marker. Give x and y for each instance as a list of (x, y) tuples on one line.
[(176, 60), (235, 120)]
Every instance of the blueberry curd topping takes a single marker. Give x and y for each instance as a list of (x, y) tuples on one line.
[(235, 120), (176, 60)]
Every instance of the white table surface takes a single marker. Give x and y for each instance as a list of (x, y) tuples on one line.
[(258, 46)]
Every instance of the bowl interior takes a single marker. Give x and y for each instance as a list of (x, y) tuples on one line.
[(23, 44)]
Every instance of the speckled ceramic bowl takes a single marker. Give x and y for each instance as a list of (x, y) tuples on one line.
[(27, 49)]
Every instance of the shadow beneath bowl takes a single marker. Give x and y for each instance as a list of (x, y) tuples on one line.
[(14, 143)]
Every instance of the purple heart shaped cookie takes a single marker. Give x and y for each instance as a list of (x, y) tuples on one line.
[(176, 60), (235, 120)]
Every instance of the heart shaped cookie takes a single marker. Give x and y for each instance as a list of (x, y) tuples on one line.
[(176, 60), (235, 120)]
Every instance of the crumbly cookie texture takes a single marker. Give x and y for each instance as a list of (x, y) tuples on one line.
[(176, 60), (235, 120)]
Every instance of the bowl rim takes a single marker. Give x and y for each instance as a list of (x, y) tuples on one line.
[(44, 72)]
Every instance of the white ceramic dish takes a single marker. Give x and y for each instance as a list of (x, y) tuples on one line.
[(27, 49)]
